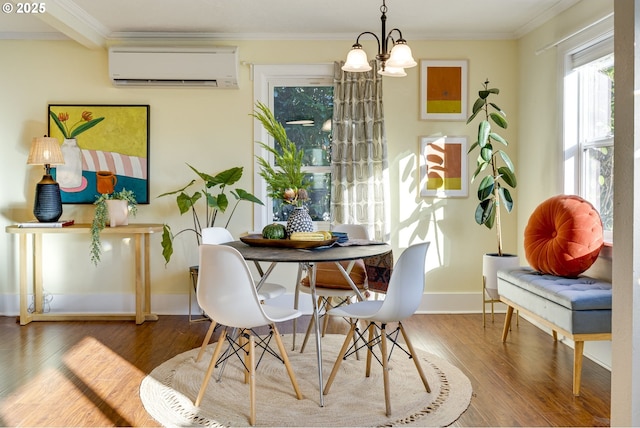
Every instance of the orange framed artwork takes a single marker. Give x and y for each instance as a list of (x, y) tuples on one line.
[(443, 87), (443, 167)]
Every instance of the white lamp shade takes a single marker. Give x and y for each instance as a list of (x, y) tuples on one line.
[(356, 61), (401, 57), (45, 151), (392, 71)]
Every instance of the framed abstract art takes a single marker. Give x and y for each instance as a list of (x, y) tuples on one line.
[(105, 147), (443, 90), (443, 167)]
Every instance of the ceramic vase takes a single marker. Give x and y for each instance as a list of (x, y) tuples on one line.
[(118, 212), (299, 221), (69, 174)]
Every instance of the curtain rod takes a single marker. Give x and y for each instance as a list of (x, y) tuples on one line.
[(564, 39)]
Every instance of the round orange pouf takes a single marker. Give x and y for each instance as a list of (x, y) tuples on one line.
[(563, 236)]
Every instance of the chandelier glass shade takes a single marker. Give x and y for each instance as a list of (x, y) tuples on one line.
[(393, 55)]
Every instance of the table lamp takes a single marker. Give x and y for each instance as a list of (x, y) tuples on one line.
[(48, 204)]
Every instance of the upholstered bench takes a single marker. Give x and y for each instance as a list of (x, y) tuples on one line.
[(578, 308)]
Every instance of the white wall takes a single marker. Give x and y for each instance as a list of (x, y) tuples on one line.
[(212, 130)]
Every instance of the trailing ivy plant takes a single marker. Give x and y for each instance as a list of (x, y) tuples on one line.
[(101, 217), (492, 164), (205, 214)]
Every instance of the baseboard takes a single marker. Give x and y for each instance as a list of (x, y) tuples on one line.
[(178, 304)]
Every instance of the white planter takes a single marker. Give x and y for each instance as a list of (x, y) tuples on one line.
[(491, 264), (118, 212)]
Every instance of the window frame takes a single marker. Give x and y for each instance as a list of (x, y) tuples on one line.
[(265, 78), (573, 173)]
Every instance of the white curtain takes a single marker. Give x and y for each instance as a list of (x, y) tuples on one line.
[(359, 186)]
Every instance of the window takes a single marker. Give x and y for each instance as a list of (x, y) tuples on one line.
[(588, 127), (301, 98)]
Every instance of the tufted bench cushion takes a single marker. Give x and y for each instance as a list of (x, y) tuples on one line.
[(579, 308), (578, 305)]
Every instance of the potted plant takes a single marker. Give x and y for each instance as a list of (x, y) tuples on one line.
[(285, 179), (497, 175), (104, 212), (212, 205)]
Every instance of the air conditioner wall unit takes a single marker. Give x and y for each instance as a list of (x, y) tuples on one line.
[(214, 67)]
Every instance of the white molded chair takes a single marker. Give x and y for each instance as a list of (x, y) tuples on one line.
[(403, 298), (220, 235), (227, 293), (330, 283)]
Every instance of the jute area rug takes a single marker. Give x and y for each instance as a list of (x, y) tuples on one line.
[(169, 391)]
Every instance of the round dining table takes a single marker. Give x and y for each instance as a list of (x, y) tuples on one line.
[(307, 258)]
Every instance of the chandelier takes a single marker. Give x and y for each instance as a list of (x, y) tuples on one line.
[(392, 62)]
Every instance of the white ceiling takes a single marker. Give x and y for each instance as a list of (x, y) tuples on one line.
[(96, 23)]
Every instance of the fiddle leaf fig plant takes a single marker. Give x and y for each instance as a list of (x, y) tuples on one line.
[(204, 214), (494, 168)]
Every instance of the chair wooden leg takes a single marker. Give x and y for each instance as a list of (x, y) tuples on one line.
[(577, 366), (507, 323), (243, 340), (414, 357), (206, 340), (336, 365), (385, 368), (252, 380), (212, 365), (287, 364), (371, 327)]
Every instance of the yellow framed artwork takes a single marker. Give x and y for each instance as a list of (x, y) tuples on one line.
[(105, 147), (443, 87), (443, 167)]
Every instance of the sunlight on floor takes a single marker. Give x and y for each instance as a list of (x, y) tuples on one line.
[(88, 378)]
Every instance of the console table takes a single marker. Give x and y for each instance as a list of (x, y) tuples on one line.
[(142, 272)]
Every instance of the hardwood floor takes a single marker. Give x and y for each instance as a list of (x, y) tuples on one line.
[(88, 373)]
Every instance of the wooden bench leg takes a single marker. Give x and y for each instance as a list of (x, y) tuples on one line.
[(507, 323), (577, 366)]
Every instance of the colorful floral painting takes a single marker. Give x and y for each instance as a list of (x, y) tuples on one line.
[(106, 149)]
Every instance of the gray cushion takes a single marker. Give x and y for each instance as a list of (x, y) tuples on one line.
[(578, 305)]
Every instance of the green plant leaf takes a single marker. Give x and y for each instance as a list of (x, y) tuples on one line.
[(495, 106), (221, 202), (499, 120), (477, 106), (177, 191), (485, 188), (59, 124), (481, 166), (483, 94), (498, 138), (486, 152), (167, 243), (484, 128), (507, 160), (494, 91), (243, 195), (186, 202), (85, 126), (226, 178), (507, 200), (508, 176), (484, 212), (473, 146)]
